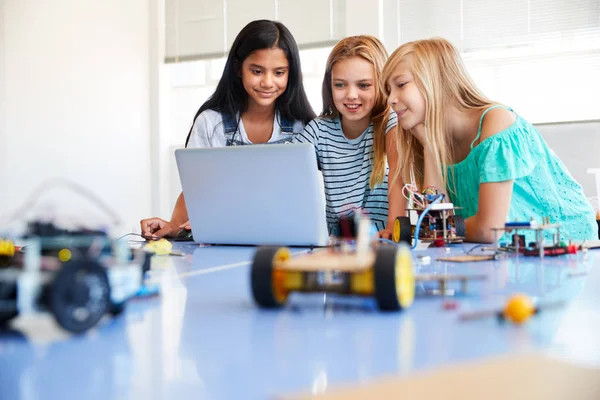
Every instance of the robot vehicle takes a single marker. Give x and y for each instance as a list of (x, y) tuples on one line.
[(538, 248), (78, 276), (436, 222), (368, 269)]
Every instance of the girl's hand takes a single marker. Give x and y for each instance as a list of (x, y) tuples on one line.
[(385, 234), (156, 228), (186, 225)]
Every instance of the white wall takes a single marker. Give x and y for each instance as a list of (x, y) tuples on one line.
[(361, 20), (76, 88), (577, 144), (3, 169)]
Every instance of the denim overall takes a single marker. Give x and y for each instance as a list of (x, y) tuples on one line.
[(230, 126)]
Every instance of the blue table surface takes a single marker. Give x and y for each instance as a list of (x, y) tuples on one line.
[(203, 337)]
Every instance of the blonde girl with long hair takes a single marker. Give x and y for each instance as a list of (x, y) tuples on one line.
[(486, 158), (354, 137)]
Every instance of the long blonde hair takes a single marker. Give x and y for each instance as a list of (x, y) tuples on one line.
[(442, 79), (373, 51)]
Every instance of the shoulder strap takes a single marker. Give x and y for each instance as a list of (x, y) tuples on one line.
[(286, 125), (481, 122), (229, 123), (230, 128)]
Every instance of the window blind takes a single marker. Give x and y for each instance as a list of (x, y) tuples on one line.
[(205, 29), (542, 57)]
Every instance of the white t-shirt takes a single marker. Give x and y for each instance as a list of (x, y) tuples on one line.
[(208, 131)]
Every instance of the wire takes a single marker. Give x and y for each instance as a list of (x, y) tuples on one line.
[(388, 241), (132, 234), (467, 252), (411, 193), (58, 182)]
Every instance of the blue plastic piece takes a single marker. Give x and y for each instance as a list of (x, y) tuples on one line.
[(147, 291), (517, 224)]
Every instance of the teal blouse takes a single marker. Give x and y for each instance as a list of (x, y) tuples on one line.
[(543, 187)]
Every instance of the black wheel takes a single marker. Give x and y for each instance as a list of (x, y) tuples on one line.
[(265, 280), (8, 302), (459, 226), (80, 295), (5, 260), (402, 230), (394, 278), (116, 308), (7, 313)]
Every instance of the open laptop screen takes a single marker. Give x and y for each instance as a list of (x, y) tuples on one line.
[(254, 195)]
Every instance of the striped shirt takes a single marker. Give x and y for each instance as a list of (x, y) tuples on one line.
[(346, 165)]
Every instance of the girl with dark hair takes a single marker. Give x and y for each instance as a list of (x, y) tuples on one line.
[(259, 99)]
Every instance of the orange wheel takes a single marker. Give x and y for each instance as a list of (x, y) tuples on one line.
[(279, 291)]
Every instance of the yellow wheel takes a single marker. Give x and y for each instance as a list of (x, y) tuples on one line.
[(519, 309), (405, 277), (394, 278), (402, 230), (268, 281)]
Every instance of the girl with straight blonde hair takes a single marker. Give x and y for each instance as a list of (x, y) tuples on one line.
[(352, 134), (486, 158)]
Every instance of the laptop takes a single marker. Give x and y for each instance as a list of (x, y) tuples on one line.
[(254, 195)]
